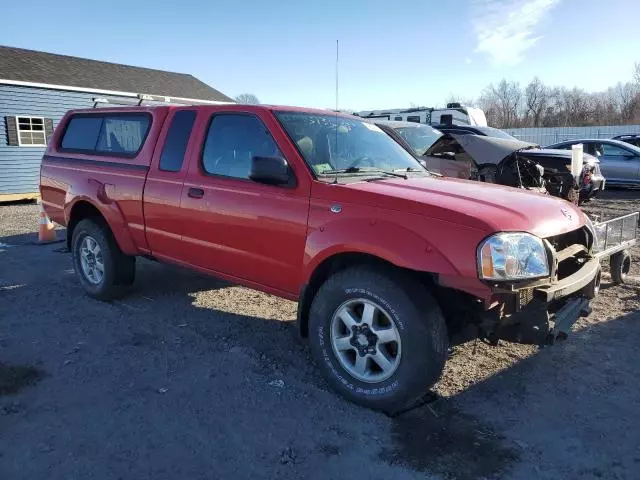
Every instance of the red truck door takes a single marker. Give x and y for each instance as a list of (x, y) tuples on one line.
[(163, 188), (233, 225)]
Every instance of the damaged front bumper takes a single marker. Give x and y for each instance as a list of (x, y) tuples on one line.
[(571, 284), (545, 313), (572, 310)]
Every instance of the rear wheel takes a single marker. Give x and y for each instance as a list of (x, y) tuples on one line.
[(379, 339), (620, 264), (101, 266)]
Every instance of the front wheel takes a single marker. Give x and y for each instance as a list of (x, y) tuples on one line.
[(379, 339)]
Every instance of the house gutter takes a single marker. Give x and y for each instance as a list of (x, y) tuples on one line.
[(141, 96)]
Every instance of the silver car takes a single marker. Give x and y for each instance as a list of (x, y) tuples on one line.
[(619, 161)]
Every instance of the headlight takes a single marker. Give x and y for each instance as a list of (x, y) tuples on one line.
[(512, 256)]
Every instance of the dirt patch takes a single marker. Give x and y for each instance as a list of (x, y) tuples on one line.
[(440, 439), (14, 378)]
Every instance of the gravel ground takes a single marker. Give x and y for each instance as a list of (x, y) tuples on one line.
[(189, 377)]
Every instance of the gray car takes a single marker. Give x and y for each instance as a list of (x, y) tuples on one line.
[(619, 161)]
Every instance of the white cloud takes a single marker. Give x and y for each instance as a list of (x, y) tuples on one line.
[(506, 29), (467, 60)]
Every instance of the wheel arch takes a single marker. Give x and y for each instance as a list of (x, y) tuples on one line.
[(335, 263), (84, 208), (79, 211)]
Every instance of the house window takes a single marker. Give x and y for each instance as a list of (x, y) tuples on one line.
[(31, 132)]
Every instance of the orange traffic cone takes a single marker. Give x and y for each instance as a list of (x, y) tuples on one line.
[(47, 231)]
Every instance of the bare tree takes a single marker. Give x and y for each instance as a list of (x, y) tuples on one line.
[(552, 114), (489, 105), (576, 104), (623, 94), (502, 103), (536, 99), (604, 108), (507, 105), (247, 98)]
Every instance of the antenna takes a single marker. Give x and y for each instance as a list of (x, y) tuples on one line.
[(337, 58), (335, 180)]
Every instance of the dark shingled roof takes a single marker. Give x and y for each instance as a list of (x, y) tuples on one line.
[(39, 67)]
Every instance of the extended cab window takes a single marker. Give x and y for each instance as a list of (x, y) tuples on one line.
[(106, 134), (232, 141), (175, 144)]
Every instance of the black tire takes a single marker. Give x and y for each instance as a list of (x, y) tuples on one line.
[(119, 269), (592, 290), (620, 264), (420, 325)]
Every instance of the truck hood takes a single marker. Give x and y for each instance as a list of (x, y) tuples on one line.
[(487, 207)]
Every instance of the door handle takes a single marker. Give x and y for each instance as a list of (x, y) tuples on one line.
[(196, 193)]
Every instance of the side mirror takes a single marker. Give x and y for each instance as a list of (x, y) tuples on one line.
[(269, 170)]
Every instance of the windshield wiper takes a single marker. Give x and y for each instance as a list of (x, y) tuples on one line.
[(340, 170), (363, 171)]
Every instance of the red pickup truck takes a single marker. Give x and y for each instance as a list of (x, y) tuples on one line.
[(390, 265)]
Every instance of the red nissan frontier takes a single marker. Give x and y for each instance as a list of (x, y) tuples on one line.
[(390, 265)]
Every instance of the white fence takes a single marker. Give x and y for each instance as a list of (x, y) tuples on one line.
[(547, 136)]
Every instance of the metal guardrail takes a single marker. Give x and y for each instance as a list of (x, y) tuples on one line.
[(616, 234)]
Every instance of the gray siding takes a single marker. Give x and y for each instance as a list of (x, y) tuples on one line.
[(20, 166)]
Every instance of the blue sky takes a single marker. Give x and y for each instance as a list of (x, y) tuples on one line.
[(392, 54)]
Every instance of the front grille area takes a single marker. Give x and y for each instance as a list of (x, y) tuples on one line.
[(571, 251), (525, 296), (560, 242)]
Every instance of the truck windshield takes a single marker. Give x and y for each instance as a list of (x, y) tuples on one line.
[(420, 137), (331, 143)]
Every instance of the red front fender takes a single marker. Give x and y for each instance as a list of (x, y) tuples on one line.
[(398, 245)]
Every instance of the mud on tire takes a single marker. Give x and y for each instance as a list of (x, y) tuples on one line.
[(422, 337)]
